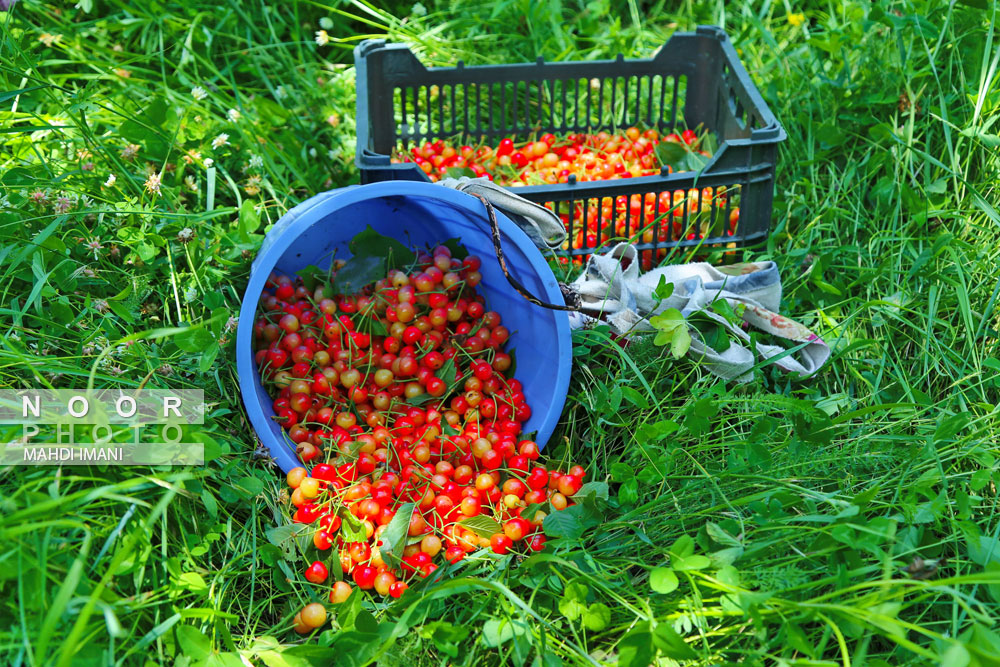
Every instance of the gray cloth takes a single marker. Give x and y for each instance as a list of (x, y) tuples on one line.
[(612, 290)]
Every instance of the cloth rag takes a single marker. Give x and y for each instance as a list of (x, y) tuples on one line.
[(612, 290)]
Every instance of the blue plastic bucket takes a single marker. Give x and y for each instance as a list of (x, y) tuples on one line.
[(416, 214)]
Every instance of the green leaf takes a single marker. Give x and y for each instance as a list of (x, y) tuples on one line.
[(459, 172), (713, 334), (571, 608), (592, 489), (597, 617), (727, 556), (226, 659), (719, 534), (193, 339), (365, 622), (680, 342), (357, 272), (499, 631), (636, 648), (670, 153), (249, 220), (635, 397), (683, 546), (628, 493), (312, 276), (663, 289), (252, 485), (351, 527), (679, 156), (983, 549), (458, 250), (121, 311), (147, 130), (285, 538), (576, 589), (671, 644), (668, 320), (210, 503), (621, 472), (394, 536), (672, 330), (192, 581), (693, 562), (445, 636), (564, 523), (304, 655), (193, 642), (370, 243), (447, 372), (11, 94), (656, 431), (481, 525), (663, 580), (956, 655), (797, 639)]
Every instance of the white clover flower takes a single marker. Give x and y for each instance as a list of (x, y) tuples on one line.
[(153, 183), (280, 93), (256, 161), (111, 180), (322, 38), (209, 162), (190, 294), (220, 140), (199, 93), (233, 115)]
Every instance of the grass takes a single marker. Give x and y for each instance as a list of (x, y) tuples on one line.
[(847, 520)]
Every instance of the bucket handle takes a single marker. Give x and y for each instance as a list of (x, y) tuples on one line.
[(570, 296)]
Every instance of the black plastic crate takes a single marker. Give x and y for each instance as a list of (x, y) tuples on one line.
[(695, 81)]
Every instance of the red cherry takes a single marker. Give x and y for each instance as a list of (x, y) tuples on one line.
[(500, 543), (317, 573), (364, 576)]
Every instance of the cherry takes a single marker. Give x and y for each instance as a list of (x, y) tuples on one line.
[(317, 573), (500, 543)]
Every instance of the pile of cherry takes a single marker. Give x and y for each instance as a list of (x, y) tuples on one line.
[(593, 157), (397, 396), (589, 157)]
